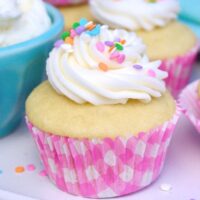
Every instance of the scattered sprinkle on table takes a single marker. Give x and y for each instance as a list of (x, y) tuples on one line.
[(43, 173), (30, 167), (165, 187), (1, 171), (19, 169)]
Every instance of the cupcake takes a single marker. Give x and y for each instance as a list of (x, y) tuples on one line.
[(104, 119), (22, 20), (190, 103), (155, 22)]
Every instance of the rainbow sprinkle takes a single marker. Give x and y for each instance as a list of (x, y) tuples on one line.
[(151, 73), (103, 67), (114, 48), (137, 67), (77, 29), (31, 167)]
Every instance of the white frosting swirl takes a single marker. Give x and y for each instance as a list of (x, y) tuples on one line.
[(134, 14), (21, 20), (74, 71)]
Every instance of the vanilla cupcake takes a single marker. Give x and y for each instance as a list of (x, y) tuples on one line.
[(104, 119), (155, 22)]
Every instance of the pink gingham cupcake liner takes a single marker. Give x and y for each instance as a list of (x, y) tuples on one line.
[(190, 103), (179, 70), (65, 2), (101, 168)]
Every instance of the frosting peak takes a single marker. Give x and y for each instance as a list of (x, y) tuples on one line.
[(135, 14), (103, 66)]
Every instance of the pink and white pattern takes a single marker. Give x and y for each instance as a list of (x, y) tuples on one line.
[(179, 70), (190, 103), (101, 168), (65, 2)]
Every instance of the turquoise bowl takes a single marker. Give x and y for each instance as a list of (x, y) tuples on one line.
[(22, 68)]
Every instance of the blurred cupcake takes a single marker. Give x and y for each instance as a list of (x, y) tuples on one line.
[(190, 103), (65, 2), (155, 22), (28, 30), (108, 117)]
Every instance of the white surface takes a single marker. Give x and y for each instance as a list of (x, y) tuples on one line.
[(181, 171)]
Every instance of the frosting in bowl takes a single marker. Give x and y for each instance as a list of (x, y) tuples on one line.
[(9, 12), (21, 20), (103, 66), (135, 14)]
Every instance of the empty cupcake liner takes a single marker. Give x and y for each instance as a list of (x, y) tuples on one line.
[(101, 168), (179, 70), (65, 2), (190, 103)]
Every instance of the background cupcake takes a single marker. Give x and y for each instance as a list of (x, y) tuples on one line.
[(108, 117), (155, 22)]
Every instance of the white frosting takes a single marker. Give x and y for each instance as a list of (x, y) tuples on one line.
[(74, 71), (134, 14), (21, 20)]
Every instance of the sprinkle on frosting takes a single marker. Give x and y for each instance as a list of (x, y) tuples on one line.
[(103, 67), (89, 27), (77, 29), (138, 67), (91, 63), (114, 47)]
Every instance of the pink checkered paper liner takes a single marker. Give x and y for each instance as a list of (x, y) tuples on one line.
[(101, 168), (65, 2), (179, 70), (190, 104)]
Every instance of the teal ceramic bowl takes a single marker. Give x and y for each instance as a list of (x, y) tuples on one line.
[(22, 68)]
